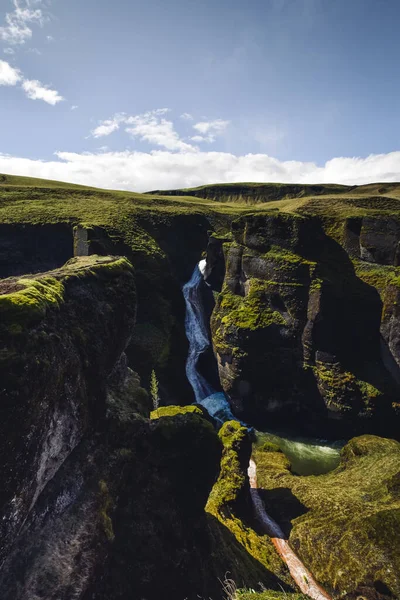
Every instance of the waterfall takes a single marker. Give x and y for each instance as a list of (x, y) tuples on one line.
[(196, 326), (196, 332)]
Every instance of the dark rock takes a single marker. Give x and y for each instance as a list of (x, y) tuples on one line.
[(296, 332)]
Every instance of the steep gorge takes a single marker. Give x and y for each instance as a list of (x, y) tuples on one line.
[(101, 502)]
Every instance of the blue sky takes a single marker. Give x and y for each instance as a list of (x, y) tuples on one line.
[(150, 94)]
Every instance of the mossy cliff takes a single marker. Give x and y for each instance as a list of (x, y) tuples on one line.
[(252, 558), (97, 500), (320, 257), (298, 328), (343, 524), (61, 335)]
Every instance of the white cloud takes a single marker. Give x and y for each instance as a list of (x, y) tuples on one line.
[(49, 38), (17, 30), (74, 107), (9, 51), (152, 127), (108, 126), (209, 130), (33, 88), (8, 75), (37, 91), (141, 171), (187, 117)]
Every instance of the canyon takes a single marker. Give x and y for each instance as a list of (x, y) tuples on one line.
[(290, 325)]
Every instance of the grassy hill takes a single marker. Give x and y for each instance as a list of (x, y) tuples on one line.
[(26, 199)]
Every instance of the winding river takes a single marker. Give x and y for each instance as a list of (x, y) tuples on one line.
[(307, 456)]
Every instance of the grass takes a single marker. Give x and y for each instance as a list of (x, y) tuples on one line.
[(30, 200), (225, 503), (343, 524), (29, 297)]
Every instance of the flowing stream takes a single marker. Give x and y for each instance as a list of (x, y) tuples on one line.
[(308, 456), (311, 456), (196, 333)]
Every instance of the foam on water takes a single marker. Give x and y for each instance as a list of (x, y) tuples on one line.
[(307, 456)]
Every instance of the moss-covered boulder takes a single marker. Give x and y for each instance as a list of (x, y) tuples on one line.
[(344, 524)]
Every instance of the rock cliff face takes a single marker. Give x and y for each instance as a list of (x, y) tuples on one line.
[(98, 501), (84, 474), (61, 334), (298, 329)]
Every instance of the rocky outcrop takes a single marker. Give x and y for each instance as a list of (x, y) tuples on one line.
[(373, 239), (251, 555), (85, 476), (61, 334), (297, 332), (123, 517)]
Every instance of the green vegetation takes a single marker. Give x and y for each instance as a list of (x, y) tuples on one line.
[(154, 393), (106, 505), (343, 524), (172, 411), (225, 504), (269, 447), (30, 301), (251, 311), (268, 595), (30, 200), (27, 299)]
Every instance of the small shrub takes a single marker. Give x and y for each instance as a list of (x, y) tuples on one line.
[(154, 393)]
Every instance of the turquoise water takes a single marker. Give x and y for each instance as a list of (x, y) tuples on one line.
[(307, 456)]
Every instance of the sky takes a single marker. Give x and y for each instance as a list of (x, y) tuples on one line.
[(158, 94)]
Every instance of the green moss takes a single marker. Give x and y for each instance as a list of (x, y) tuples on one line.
[(251, 311), (268, 595), (269, 447), (35, 295), (30, 303), (172, 411), (271, 462), (285, 258), (106, 504), (378, 276), (346, 533), (225, 496), (334, 384)]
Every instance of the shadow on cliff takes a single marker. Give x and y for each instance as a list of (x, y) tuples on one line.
[(347, 331), (283, 506), (159, 341)]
